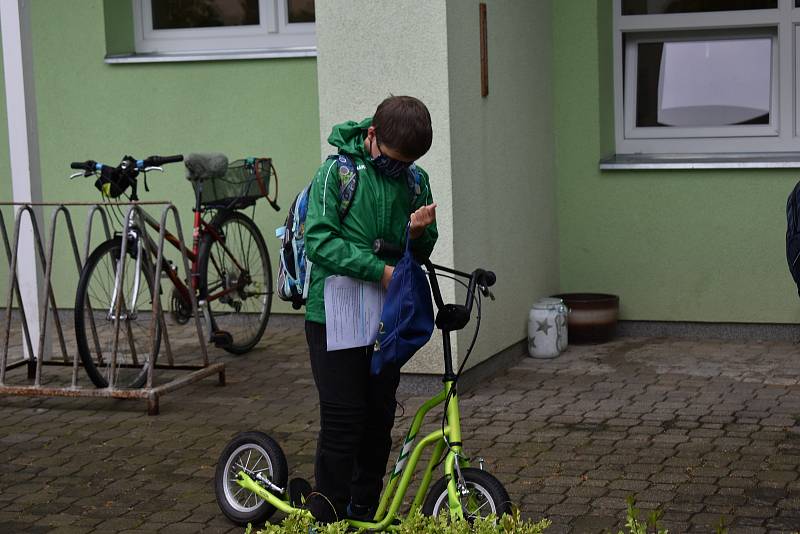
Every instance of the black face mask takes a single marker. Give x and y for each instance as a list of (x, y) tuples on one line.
[(389, 166)]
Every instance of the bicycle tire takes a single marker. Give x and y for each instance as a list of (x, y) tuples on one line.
[(235, 504), (96, 368), (224, 313), (481, 486)]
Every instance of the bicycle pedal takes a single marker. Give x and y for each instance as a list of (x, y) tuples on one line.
[(221, 339)]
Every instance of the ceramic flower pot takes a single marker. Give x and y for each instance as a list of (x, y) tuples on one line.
[(592, 316)]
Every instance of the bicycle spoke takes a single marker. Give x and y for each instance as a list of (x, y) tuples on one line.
[(242, 309), (214, 287), (478, 509), (215, 264), (247, 254), (241, 258), (98, 333), (257, 462)]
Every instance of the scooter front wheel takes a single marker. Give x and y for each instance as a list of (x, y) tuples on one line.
[(481, 494), (254, 453)]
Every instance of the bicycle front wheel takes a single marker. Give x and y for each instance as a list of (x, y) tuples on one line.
[(236, 279), (95, 313)]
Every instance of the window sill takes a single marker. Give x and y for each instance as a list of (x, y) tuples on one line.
[(161, 57), (633, 162)]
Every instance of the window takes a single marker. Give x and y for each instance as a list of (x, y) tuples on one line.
[(273, 27), (706, 76), (654, 7)]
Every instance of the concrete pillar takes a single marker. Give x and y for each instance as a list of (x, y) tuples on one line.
[(23, 148), (368, 50), (492, 159)]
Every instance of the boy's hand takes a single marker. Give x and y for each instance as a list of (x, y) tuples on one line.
[(388, 270), (421, 218)]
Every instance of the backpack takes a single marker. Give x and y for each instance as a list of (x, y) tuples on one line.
[(294, 268), (793, 234)]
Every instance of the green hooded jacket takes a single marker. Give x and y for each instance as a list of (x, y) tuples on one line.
[(380, 209)]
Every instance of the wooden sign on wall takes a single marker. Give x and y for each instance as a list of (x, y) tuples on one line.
[(484, 52)]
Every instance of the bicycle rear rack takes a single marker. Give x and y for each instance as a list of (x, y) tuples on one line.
[(34, 360)]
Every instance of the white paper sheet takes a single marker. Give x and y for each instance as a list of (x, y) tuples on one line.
[(352, 311)]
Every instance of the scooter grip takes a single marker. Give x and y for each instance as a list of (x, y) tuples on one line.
[(381, 247)]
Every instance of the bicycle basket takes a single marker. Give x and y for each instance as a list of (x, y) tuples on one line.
[(245, 181)]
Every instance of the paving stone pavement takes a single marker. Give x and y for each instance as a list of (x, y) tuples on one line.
[(703, 429)]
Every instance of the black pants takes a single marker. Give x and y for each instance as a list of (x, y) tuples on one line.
[(356, 418)]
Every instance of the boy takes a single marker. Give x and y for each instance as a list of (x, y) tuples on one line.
[(356, 408)]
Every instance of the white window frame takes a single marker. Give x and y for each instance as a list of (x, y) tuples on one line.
[(274, 34), (781, 135)]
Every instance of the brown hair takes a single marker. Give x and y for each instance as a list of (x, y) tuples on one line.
[(403, 123)]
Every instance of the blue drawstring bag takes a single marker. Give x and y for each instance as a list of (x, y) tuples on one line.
[(407, 317)]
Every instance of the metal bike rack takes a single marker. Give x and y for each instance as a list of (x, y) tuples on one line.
[(35, 363)]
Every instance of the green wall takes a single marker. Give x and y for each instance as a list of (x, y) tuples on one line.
[(503, 185), (674, 245), (90, 110)]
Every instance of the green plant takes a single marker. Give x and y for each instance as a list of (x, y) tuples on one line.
[(416, 523), (297, 523), (638, 526)]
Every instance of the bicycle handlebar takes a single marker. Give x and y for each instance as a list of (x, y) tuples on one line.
[(484, 277), (381, 247), (157, 161), (91, 165), (481, 278), (82, 165), (115, 181)]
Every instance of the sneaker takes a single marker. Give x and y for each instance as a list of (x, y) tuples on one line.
[(321, 508), (360, 512), (299, 490)]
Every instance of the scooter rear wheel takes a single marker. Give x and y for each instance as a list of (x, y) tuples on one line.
[(251, 452)]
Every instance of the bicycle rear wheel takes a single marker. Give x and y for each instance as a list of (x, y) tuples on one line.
[(236, 279), (94, 312)]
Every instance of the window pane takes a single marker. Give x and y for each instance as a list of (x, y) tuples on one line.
[(704, 83), (178, 14), (654, 7), (301, 11)]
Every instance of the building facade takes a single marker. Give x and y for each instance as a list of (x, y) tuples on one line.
[(536, 180)]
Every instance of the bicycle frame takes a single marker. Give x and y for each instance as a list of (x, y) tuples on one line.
[(137, 278), (200, 228)]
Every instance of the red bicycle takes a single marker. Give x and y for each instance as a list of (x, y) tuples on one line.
[(231, 273)]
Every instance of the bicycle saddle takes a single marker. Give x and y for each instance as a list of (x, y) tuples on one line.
[(205, 166)]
